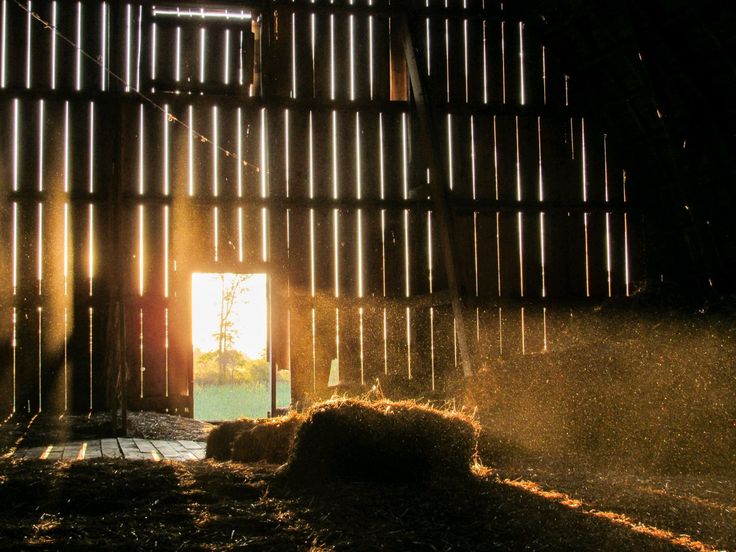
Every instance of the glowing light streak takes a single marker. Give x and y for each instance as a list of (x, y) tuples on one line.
[(544, 329), (264, 189), (141, 251), (498, 215), (519, 215), (608, 214), (154, 52), (190, 142), (202, 41), (312, 274), (540, 177), (430, 268), (167, 184), (141, 151), (128, 44), (383, 241), (293, 55), (359, 195), (332, 57), (166, 251), (155, 455), (29, 9), (215, 157), (16, 130), (585, 199), (240, 58), (103, 47), (352, 55), (428, 50), (53, 45), (522, 84), (313, 42), (626, 240), (14, 245), (216, 231), (314, 350), (141, 367), (3, 43), (447, 57), (91, 246), (523, 331), (465, 52), (79, 47), (91, 365), (544, 73), (240, 234), (450, 170), (139, 50), (335, 213), (39, 258), (65, 267), (226, 63), (240, 149), (407, 279), (91, 174), (408, 342), (503, 62), (177, 54), (485, 64), (370, 52), (41, 120), (287, 153)]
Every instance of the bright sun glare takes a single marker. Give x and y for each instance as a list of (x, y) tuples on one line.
[(249, 315)]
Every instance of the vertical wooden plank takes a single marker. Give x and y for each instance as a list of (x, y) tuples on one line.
[(52, 300), (381, 70), (16, 46), (438, 51), (153, 306), (80, 361), (529, 167), (533, 70), (476, 69), (512, 61), (6, 259), (595, 177), (455, 44), (322, 59)]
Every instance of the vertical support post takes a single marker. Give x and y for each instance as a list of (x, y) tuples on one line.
[(429, 141), (116, 358), (266, 85)]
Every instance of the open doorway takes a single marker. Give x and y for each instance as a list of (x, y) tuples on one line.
[(230, 347)]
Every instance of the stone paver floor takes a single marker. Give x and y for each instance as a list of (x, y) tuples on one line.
[(122, 447)]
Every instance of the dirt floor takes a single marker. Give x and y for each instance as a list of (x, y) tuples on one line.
[(523, 503)]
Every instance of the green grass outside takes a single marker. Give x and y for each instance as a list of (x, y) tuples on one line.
[(213, 402)]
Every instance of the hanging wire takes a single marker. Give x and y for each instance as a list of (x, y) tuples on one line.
[(171, 117)]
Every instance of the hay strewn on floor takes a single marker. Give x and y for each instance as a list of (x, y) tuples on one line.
[(269, 440), (382, 441), (220, 440)]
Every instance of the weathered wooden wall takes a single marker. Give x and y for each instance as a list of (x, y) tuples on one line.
[(284, 142)]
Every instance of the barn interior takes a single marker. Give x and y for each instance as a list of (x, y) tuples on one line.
[(522, 208)]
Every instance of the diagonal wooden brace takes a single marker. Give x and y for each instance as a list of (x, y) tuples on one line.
[(430, 145)]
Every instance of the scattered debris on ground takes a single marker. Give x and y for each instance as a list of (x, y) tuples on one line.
[(142, 505)]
